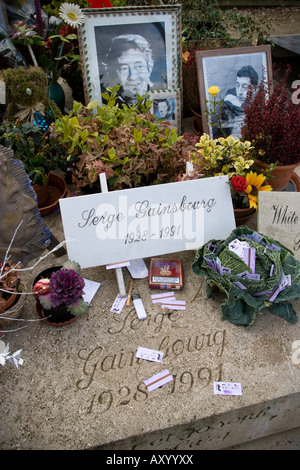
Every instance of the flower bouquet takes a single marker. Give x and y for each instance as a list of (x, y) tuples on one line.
[(244, 190), (254, 271)]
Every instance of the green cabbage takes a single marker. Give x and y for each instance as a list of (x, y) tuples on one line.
[(245, 296)]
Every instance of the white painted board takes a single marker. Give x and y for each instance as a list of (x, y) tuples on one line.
[(111, 227)]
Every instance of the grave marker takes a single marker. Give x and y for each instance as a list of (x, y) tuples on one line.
[(279, 218), (111, 227)]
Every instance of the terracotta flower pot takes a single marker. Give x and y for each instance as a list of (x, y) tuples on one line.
[(57, 189), (57, 316), (198, 129), (41, 194), (12, 309), (281, 174), (243, 215)]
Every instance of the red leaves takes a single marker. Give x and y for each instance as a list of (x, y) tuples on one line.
[(273, 124)]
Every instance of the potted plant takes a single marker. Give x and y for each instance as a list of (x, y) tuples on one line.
[(10, 287), (272, 123), (231, 157), (59, 294), (39, 153), (129, 144)]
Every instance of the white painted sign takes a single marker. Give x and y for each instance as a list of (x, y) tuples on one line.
[(279, 218), (114, 226)]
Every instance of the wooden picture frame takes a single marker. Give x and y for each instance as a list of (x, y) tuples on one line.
[(221, 68), (103, 41)]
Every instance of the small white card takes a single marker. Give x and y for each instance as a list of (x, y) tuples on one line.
[(227, 388), (90, 289), (158, 380), (174, 304), (118, 304), (238, 247), (158, 298), (138, 269), (149, 354)]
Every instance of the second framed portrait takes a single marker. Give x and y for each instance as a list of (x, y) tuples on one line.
[(166, 106), (135, 48), (232, 71)]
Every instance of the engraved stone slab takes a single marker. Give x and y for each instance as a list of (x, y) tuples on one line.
[(279, 218), (82, 386)]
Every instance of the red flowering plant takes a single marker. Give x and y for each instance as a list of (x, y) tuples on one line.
[(272, 123), (244, 189)]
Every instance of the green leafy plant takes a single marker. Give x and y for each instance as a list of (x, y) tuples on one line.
[(272, 283), (231, 157), (222, 156), (36, 149), (127, 143)]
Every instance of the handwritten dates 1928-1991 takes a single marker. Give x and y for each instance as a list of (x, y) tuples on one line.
[(182, 383), (164, 232)]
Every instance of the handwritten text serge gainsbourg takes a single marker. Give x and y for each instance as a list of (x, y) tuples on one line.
[(145, 209)]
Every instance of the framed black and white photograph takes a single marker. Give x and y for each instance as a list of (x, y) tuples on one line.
[(232, 71), (135, 48), (166, 107)]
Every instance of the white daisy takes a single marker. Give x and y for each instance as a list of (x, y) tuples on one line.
[(71, 14)]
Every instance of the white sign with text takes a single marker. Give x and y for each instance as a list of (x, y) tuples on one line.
[(279, 218), (142, 222)]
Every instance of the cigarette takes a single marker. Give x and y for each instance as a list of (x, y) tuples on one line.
[(129, 293)]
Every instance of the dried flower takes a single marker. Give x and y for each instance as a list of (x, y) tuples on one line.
[(6, 356), (186, 57)]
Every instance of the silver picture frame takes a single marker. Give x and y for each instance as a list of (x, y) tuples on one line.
[(100, 45)]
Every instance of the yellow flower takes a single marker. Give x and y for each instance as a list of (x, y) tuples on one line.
[(255, 182), (213, 90)]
